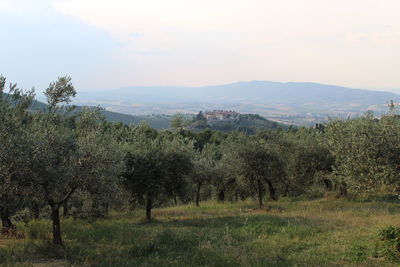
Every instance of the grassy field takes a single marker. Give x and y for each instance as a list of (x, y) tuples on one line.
[(288, 233)]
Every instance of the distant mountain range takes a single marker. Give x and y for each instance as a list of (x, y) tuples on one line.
[(292, 103)]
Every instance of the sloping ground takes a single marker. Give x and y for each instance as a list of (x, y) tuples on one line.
[(288, 233), (247, 123), (156, 121)]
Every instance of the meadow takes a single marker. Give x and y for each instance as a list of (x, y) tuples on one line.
[(288, 232)]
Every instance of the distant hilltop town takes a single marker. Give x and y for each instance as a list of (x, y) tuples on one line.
[(221, 115)]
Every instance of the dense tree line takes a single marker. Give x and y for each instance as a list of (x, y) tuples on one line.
[(56, 160)]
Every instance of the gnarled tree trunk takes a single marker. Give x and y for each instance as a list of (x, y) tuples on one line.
[(221, 195), (36, 210), (65, 208), (5, 218), (198, 195), (328, 185), (272, 190), (260, 191), (286, 193), (55, 217), (149, 205)]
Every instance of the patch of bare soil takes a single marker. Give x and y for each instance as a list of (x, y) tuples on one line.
[(11, 232)]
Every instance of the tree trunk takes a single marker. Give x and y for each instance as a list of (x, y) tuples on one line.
[(55, 216), (286, 193), (342, 190), (198, 195), (328, 185), (65, 209), (149, 205), (175, 201), (5, 218), (260, 192), (272, 190), (221, 195), (36, 210), (95, 212)]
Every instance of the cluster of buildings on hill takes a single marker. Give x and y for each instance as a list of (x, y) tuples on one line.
[(221, 116)]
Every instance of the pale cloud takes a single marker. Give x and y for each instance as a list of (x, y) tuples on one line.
[(282, 18), (214, 41), (378, 39), (24, 7), (197, 42), (38, 44), (3, 4)]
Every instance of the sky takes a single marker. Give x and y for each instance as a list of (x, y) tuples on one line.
[(104, 44)]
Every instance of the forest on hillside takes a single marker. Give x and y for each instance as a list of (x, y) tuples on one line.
[(82, 167)]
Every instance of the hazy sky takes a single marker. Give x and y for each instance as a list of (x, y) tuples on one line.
[(118, 43)]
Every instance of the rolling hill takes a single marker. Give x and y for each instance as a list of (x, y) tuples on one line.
[(248, 123), (155, 121), (293, 102)]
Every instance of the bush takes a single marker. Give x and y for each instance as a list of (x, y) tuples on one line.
[(390, 237), (23, 215), (38, 229)]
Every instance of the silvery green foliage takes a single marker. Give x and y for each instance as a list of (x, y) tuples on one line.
[(367, 152), (14, 149), (156, 165), (59, 92)]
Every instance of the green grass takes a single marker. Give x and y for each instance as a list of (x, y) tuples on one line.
[(288, 233)]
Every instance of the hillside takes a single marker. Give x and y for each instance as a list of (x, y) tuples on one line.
[(248, 123), (155, 121), (293, 102), (226, 121)]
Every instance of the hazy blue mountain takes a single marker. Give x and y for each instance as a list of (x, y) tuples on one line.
[(293, 102), (265, 91)]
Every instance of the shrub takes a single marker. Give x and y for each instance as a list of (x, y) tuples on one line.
[(38, 229), (390, 237)]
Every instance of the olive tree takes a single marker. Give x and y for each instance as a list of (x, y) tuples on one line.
[(367, 151), (66, 159), (156, 166), (259, 166), (205, 168), (97, 163), (308, 160), (14, 150)]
